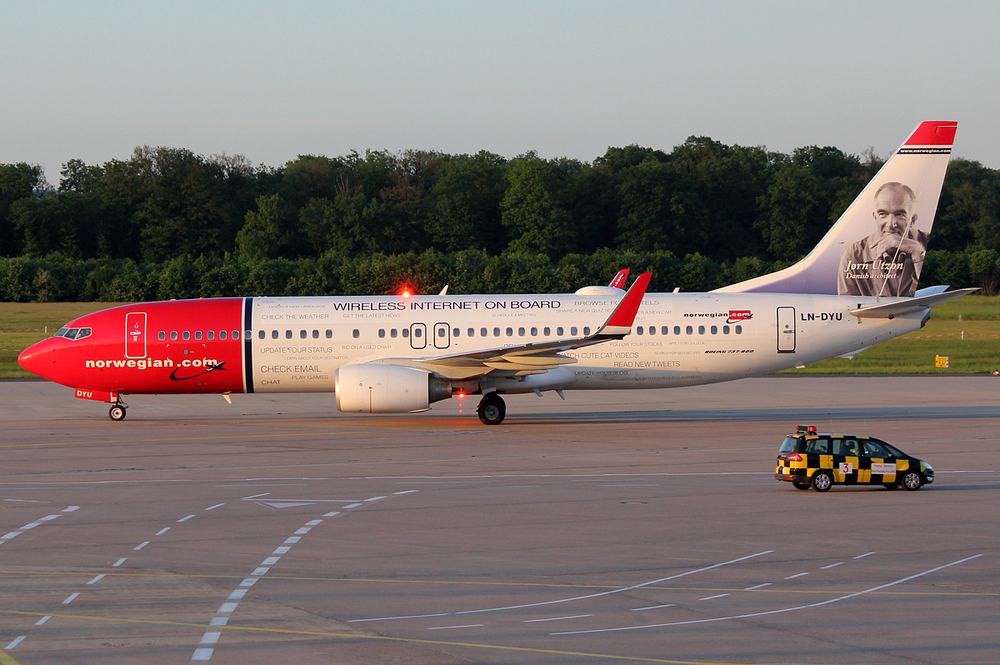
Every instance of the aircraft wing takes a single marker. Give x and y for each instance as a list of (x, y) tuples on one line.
[(894, 309), (534, 357)]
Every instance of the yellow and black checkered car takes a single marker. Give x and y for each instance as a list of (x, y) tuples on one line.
[(811, 459)]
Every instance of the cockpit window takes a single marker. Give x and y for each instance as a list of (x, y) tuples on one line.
[(74, 333)]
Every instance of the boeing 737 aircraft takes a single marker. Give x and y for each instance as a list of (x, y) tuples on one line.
[(399, 354)]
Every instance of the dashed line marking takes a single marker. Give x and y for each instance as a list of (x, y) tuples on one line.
[(862, 556), (71, 598), (184, 519), (140, 546), (833, 565), (333, 514), (792, 577), (375, 498), (16, 642), (721, 595), (70, 509), (119, 562), (218, 505), (162, 531), (759, 586), (255, 496), (43, 620), (468, 625), (96, 579), (352, 505), (577, 616), (653, 607)]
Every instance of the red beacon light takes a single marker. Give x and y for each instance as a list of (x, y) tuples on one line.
[(806, 429), (406, 292)]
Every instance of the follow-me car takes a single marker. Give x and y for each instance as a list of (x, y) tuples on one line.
[(810, 459)]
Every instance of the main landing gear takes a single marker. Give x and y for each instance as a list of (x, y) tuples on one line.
[(117, 410), (491, 409)]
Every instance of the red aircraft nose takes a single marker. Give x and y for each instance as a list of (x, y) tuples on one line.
[(39, 359)]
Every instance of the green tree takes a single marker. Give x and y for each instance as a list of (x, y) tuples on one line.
[(534, 208), (261, 235)]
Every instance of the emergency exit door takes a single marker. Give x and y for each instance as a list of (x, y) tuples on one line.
[(135, 335)]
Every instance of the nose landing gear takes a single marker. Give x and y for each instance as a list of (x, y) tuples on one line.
[(491, 409), (117, 410)]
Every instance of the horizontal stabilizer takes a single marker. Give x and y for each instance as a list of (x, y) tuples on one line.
[(898, 308)]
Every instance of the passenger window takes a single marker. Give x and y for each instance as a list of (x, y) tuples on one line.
[(457, 332), (715, 330), (520, 332), (303, 334), (572, 331), (472, 332), (381, 332), (315, 334), (260, 334), (160, 335), (274, 334), (547, 331), (417, 332), (677, 330), (197, 335), (586, 330), (739, 330), (534, 332), (496, 332), (847, 447), (818, 446), (393, 333), (638, 330), (288, 334), (559, 331), (173, 335), (236, 334), (483, 332), (186, 335), (357, 333), (222, 334), (406, 333), (510, 332), (329, 334), (210, 335), (872, 449), (689, 330), (701, 330), (725, 330), (665, 330), (652, 330)]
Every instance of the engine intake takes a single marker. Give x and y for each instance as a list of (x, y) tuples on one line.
[(376, 388)]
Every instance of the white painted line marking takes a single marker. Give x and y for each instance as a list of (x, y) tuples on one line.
[(255, 496), (270, 561), (468, 625), (15, 642), (24, 501), (42, 620), (352, 505), (375, 498), (862, 556), (70, 599), (32, 525), (577, 616), (219, 621), (792, 577), (262, 570), (237, 595), (314, 522), (47, 518), (211, 637), (281, 550), (119, 562), (249, 581), (653, 607), (333, 514), (405, 492), (721, 595), (12, 534), (572, 598), (184, 519), (304, 530), (162, 531), (833, 565), (70, 509), (140, 546), (218, 505), (227, 608), (202, 654), (759, 586), (291, 540), (781, 611), (96, 579)]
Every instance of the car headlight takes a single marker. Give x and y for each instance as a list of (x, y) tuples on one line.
[(927, 467)]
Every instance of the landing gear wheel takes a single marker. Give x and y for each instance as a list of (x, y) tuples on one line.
[(912, 480), (822, 481), (117, 412), (492, 409), (800, 486)]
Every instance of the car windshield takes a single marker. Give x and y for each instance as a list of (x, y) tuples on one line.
[(893, 450)]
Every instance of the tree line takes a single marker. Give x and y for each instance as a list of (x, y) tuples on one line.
[(167, 223)]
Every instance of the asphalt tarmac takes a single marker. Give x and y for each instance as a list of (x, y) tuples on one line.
[(640, 526)]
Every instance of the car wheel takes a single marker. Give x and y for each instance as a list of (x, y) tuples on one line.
[(822, 481), (912, 480), (800, 486)]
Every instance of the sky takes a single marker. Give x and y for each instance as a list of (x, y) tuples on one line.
[(270, 81)]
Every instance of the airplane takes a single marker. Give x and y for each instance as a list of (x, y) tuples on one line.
[(401, 353)]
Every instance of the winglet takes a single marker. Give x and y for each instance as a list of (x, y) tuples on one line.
[(620, 321), (619, 281)]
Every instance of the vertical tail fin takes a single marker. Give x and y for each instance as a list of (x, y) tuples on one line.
[(877, 246)]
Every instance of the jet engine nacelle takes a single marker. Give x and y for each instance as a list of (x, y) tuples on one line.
[(374, 388)]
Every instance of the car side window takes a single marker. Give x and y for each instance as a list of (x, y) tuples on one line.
[(846, 447), (818, 446), (872, 449)]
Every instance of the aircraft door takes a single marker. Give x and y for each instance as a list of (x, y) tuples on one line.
[(135, 335), (418, 336), (442, 336), (786, 330)]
